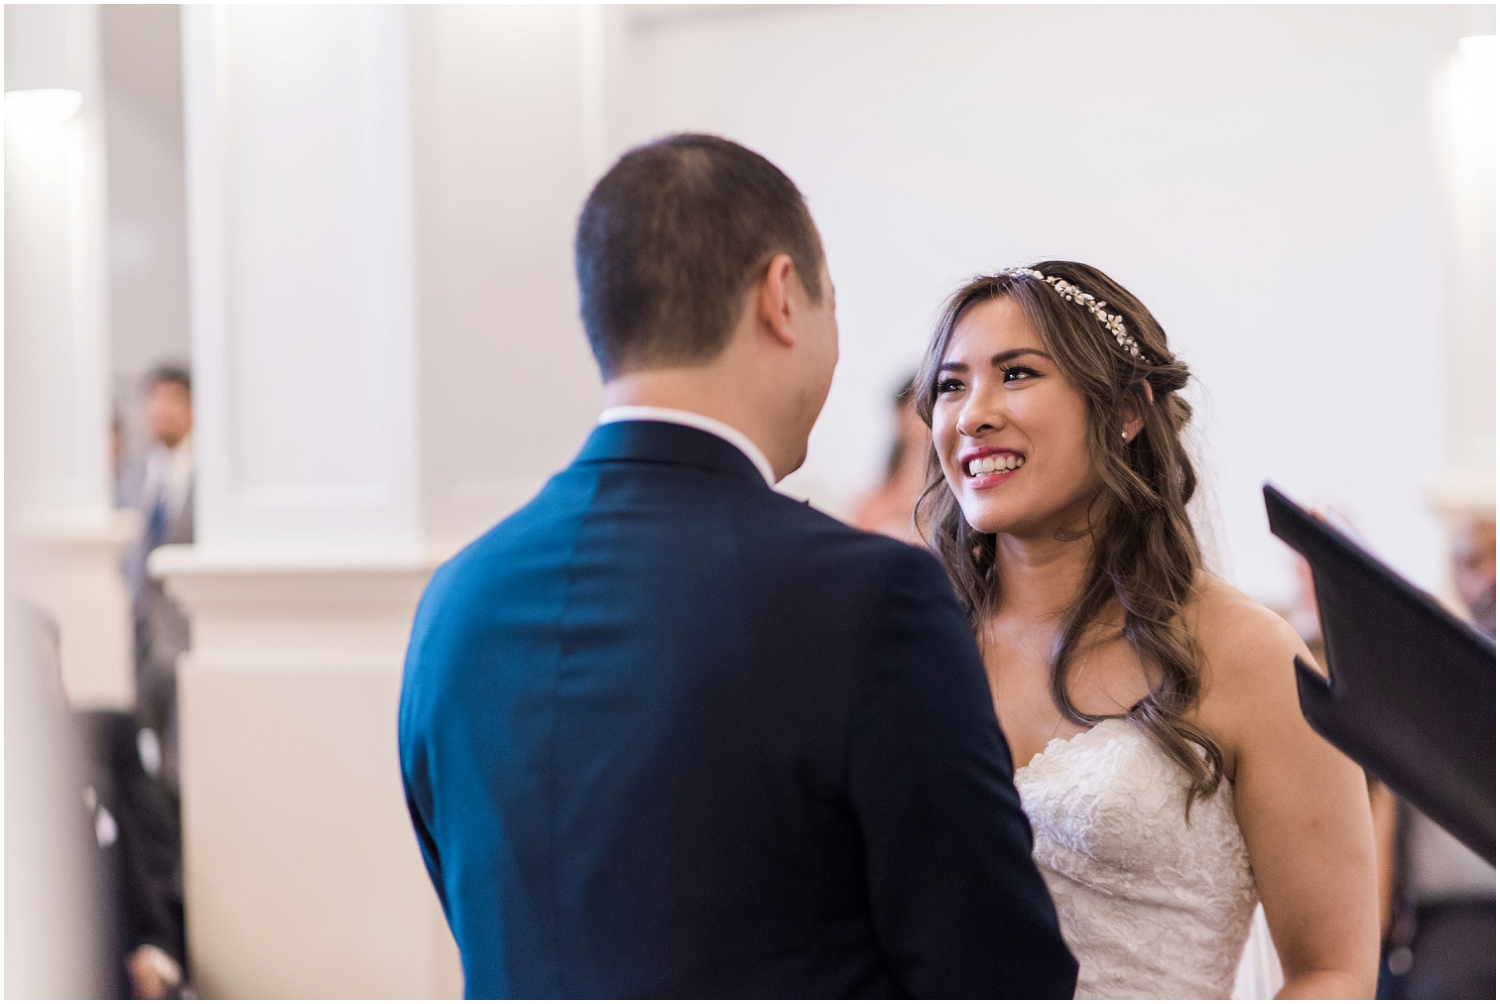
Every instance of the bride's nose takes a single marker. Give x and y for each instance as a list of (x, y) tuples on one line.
[(980, 414)]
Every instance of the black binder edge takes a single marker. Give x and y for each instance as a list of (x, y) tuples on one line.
[(1317, 696), (1294, 525)]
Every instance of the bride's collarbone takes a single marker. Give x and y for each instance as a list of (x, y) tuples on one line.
[(1100, 681), (1104, 678)]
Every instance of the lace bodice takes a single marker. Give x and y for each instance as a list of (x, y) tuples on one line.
[(1152, 907)]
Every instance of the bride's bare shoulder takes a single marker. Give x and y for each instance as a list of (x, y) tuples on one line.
[(1247, 649)]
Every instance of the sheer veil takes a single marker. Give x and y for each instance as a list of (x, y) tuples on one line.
[(1259, 975)]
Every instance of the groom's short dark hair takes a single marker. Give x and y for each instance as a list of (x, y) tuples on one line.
[(671, 239)]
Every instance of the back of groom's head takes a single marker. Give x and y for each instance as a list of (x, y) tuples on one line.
[(671, 240)]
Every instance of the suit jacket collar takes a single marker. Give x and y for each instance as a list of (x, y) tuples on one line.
[(693, 419), (667, 443)]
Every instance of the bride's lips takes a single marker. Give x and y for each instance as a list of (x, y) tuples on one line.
[(1007, 464)]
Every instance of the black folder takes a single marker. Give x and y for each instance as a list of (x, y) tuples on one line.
[(1410, 694)]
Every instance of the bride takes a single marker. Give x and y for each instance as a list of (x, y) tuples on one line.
[(1152, 710)]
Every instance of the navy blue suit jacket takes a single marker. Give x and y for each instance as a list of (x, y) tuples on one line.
[(668, 733)]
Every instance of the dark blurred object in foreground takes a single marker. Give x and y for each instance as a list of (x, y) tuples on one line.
[(1411, 689)]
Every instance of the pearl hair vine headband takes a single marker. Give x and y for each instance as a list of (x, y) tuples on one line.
[(1114, 323)]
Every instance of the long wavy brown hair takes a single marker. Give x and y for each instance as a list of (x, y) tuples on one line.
[(1146, 556)]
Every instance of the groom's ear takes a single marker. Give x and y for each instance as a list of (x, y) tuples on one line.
[(773, 307)]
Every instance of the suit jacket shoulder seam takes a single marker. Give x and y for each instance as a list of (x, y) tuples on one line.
[(555, 934)]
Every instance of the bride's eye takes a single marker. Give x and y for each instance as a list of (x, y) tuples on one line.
[(949, 385), (1014, 373)]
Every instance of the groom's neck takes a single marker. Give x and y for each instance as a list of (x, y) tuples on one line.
[(714, 391)]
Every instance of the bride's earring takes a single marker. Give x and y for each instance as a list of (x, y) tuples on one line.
[(1124, 433)]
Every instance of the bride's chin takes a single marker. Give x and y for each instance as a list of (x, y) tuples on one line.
[(989, 515), (986, 521)]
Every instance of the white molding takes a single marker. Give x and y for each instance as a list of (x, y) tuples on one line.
[(298, 849), (294, 603), (68, 564), (107, 527)]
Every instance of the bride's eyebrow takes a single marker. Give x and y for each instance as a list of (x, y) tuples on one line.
[(1002, 358), (997, 360)]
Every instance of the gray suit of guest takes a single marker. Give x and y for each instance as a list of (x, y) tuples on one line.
[(161, 630)]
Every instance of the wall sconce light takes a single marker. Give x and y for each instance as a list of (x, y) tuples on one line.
[(1477, 47), (1471, 90), (50, 104)]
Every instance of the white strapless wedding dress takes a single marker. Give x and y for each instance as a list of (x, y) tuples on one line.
[(1152, 907)]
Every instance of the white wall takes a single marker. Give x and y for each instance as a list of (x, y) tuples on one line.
[(148, 290), (508, 388), (1261, 177)]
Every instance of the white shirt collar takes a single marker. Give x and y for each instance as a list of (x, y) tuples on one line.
[(169, 473), (726, 432)]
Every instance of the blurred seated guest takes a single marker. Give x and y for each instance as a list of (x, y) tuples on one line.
[(1303, 613), (1441, 939), (160, 485), (116, 451), (136, 829), (1474, 572), (888, 509)]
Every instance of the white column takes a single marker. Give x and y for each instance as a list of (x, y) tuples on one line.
[(1464, 107), (1463, 114), (302, 874), (300, 239), (387, 360), (65, 535)]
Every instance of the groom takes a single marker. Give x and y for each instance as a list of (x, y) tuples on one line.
[(667, 733)]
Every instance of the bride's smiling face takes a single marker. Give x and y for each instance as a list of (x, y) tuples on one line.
[(1009, 429)]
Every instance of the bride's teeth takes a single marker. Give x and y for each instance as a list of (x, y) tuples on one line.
[(995, 462)]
